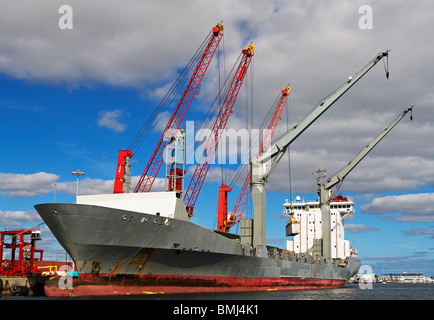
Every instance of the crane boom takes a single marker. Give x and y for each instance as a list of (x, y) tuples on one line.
[(260, 170), (202, 167), (325, 191), (284, 141), (339, 177), (156, 160), (245, 192)]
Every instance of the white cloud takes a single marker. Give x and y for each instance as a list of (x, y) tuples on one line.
[(418, 232), (312, 45), (160, 122), (27, 185), (111, 120), (358, 228), (86, 186), (18, 218), (411, 207), (42, 183)]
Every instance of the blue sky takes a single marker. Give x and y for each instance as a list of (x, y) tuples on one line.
[(70, 99)]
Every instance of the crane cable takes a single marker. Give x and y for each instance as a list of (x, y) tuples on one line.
[(234, 176), (386, 66)]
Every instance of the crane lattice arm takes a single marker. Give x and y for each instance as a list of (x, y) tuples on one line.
[(244, 195), (157, 157), (156, 160), (202, 167)]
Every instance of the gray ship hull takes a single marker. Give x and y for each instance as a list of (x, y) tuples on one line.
[(107, 242)]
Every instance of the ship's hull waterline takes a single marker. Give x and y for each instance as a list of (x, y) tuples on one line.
[(125, 252)]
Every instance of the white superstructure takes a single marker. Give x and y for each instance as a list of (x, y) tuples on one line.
[(309, 215)]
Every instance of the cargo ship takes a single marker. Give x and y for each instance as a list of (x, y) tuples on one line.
[(144, 242), (128, 250)]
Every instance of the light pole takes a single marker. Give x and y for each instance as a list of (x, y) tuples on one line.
[(77, 173)]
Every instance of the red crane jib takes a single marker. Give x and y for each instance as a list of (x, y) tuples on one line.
[(157, 158), (244, 195), (202, 167)]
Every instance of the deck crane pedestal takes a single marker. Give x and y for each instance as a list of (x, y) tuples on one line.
[(157, 157), (326, 192), (220, 122), (262, 166)]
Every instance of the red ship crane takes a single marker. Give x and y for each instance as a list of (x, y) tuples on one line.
[(156, 160), (224, 223), (202, 167)]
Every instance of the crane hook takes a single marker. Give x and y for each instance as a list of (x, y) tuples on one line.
[(386, 66)]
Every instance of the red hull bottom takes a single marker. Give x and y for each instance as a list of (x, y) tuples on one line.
[(106, 285)]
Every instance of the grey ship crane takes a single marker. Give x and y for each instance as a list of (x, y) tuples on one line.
[(261, 169), (327, 191)]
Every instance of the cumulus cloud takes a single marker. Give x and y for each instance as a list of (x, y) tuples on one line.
[(86, 186), (358, 228), (410, 207), (111, 120), (418, 232), (18, 218), (27, 185), (398, 264), (42, 183), (312, 45)]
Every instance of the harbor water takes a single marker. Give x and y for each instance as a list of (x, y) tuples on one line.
[(379, 291), (382, 300), (376, 291)]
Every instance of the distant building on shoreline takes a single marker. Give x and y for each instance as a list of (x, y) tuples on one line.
[(405, 278), (391, 278)]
